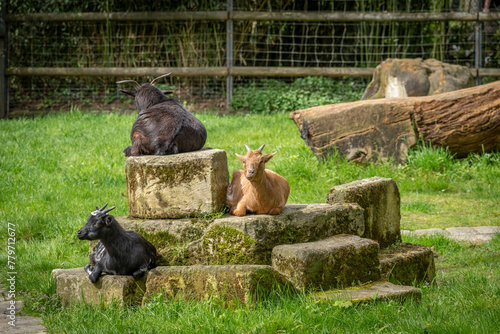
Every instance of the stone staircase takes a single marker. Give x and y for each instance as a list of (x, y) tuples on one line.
[(350, 244)]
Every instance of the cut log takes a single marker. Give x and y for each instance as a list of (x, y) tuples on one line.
[(466, 120)]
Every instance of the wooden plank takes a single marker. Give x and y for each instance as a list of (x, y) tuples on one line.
[(191, 71), (244, 71), (363, 16), (257, 16), (119, 16), (301, 71), (116, 71)]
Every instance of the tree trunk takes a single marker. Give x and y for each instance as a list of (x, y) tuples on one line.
[(466, 120)]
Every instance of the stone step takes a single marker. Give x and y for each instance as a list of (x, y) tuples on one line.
[(378, 291), (251, 239), (243, 240), (73, 286), (180, 185), (406, 264), (379, 197), (235, 284), (337, 262)]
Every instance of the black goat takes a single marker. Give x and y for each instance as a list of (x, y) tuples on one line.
[(163, 126), (118, 252)]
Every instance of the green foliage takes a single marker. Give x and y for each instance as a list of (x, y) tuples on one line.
[(269, 95), (436, 159), (39, 303)]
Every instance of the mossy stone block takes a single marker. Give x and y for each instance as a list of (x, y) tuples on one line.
[(169, 236), (180, 185), (234, 284), (406, 264), (378, 291), (250, 239), (379, 197), (336, 262), (73, 286)]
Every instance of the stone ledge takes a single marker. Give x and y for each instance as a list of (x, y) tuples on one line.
[(243, 240), (336, 262), (250, 239), (235, 284), (407, 263), (377, 291), (74, 286)]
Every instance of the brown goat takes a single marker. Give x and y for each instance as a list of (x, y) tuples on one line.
[(256, 189)]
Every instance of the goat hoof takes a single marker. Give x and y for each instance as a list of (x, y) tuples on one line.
[(126, 152)]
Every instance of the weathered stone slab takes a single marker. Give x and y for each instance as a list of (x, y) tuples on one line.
[(377, 291), (336, 262), (379, 197), (250, 239), (179, 185), (407, 263), (73, 286), (427, 232), (233, 283), (167, 235)]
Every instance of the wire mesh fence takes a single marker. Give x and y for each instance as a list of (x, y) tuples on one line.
[(173, 43)]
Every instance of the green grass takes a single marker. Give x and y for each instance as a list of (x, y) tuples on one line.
[(56, 169)]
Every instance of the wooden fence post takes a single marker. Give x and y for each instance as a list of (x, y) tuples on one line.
[(478, 35), (4, 83), (229, 54)]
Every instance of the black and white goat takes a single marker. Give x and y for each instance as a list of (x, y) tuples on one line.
[(118, 252)]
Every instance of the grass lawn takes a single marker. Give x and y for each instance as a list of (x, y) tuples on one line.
[(56, 169)]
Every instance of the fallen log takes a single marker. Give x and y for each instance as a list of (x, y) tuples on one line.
[(466, 121)]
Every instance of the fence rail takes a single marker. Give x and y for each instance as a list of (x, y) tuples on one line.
[(259, 71), (229, 70), (257, 16)]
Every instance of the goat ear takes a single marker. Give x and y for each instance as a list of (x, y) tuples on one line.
[(128, 92), (241, 157), (167, 92), (268, 157), (108, 220)]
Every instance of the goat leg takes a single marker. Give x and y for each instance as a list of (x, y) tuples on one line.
[(89, 269), (126, 152), (241, 209), (140, 272), (275, 211), (96, 273), (165, 147)]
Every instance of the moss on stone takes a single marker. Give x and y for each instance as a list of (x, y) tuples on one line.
[(224, 245)]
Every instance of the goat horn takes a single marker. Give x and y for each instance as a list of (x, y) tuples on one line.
[(248, 148), (261, 148), (108, 210), (154, 80), (136, 85), (104, 207)]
